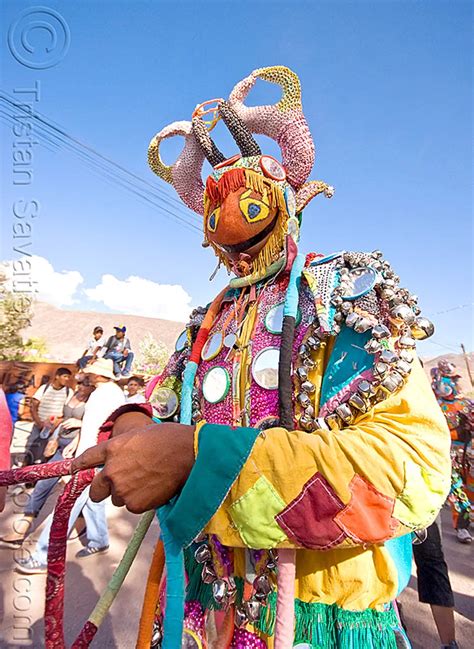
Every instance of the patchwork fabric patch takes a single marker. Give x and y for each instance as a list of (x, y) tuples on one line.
[(367, 518), (254, 515), (422, 496), (308, 519)]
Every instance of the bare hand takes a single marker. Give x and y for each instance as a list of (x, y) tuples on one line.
[(69, 450), (143, 468)]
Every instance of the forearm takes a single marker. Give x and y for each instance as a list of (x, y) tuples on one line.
[(34, 413)]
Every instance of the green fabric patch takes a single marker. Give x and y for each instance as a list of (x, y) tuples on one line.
[(222, 452), (254, 516), (422, 496)]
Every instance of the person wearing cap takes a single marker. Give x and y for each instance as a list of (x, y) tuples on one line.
[(105, 399), (117, 348), (93, 349)]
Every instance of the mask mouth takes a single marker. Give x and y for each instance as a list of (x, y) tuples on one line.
[(248, 243)]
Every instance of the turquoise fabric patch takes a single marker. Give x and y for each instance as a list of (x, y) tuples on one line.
[(292, 292), (222, 452), (400, 550), (348, 360)]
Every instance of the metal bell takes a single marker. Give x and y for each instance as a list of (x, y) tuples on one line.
[(388, 283), (203, 554), (372, 346), (303, 350), (402, 314), (336, 300), (362, 325), (352, 319), (392, 382), (347, 308), (338, 317), (307, 423), (381, 369), (302, 373), (240, 618), (356, 401), (380, 331), (321, 424), (365, 389), (403, 367), (219, 590), (309, 411), (308, 387), (388, 293), (208, 574), (387, 356), (313, 343), (252, 609), (304, 400), (377, 254), (345, 413), (422, 328), (309, 363), (157, 635), (263, 586), (406, 342)]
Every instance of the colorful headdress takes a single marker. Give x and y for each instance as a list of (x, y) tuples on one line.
[(284, 122)]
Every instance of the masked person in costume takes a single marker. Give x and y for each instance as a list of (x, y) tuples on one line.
[(459, 413), (310, 445)]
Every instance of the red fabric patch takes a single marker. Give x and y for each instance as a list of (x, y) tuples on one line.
[(368, 516), (308, 519)]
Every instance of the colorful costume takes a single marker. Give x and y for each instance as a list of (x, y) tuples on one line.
[(319, 445), (458, 411)]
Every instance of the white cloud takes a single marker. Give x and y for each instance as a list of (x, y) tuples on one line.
[(140, 296), (133, 295), (56, 287)]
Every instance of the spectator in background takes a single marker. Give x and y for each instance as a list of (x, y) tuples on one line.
[(62, 444), (15, 395), (106, 398), (94, 347), (134, 385), (118, 349), (47, 405)]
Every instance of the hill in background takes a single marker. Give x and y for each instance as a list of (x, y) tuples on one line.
[(66, 332)]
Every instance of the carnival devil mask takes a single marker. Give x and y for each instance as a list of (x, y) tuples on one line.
[(250, 202)]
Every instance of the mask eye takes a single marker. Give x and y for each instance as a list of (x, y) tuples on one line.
[(213, 219), (253, 209)]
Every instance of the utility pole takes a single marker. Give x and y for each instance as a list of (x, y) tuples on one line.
[(466, 360)]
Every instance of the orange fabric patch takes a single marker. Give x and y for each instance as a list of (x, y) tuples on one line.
[(367, 518)]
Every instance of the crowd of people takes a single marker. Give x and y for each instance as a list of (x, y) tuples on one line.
[(66, 422)]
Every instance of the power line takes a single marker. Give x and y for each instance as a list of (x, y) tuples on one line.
[(54, 137)]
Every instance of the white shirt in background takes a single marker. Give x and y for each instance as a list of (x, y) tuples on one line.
[(93, 344), (136, 398), (106, 398)]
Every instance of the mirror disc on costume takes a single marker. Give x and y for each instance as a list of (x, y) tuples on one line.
[(272, 168), (230, 340), (190, 640), (181, 341), (274, 318), (302, 645), (265, 368), (212, 347), (290, 200), (165, 402), (360, 281), (215, 384)]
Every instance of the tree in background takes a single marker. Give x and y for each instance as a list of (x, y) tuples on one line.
[(36, 350), (15, 315), (152, 356)]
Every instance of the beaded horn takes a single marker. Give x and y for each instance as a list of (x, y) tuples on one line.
[(283, 122)]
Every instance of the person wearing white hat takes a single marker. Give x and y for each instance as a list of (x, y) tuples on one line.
[(106, 398)]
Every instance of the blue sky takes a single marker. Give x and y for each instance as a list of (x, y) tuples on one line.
[(386, 91)]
